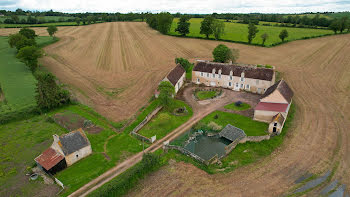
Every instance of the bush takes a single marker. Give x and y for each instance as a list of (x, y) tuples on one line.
[(120, 185), (213, 126)]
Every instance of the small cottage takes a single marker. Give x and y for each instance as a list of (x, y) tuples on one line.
[(176, 77), (64, 151), (274, 106)]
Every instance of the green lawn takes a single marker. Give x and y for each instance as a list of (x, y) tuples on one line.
[(165, 122), (203, 95), (17, 81), (250, 127), (238, 32), (234, 107)]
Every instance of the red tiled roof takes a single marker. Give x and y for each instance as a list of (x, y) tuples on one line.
[(49, 158), (278, 107)]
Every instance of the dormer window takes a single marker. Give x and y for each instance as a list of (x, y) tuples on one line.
[(242, 79), (213, 71), (231, 73)]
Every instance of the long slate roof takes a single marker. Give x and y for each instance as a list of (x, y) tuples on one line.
[(283, 88), (176, 74), (250, 70), (73, 141), (232, 133)]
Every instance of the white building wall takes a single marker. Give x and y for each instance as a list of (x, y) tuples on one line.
[(77, 155)]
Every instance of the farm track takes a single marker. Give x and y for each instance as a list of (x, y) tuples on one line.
[(318, 70)]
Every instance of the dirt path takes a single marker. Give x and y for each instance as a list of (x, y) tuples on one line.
[(318, 70)]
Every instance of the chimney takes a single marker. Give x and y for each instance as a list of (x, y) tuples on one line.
[(56, 138)]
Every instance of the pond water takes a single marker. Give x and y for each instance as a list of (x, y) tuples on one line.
[(207, 147)]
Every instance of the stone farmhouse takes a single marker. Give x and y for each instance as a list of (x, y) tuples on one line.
[(235, 76), (64, 151), (274, 106), (176, 77)]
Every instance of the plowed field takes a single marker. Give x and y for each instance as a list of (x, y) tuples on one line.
[(115, 68)]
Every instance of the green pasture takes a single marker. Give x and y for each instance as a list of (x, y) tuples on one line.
[(238, 32)]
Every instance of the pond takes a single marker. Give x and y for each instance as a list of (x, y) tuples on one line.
[(207, 147)]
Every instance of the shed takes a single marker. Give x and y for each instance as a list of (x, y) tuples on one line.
[(51, 161), (232, 133)]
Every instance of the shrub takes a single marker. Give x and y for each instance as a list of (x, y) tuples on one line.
[(238, 103), (212, 125)]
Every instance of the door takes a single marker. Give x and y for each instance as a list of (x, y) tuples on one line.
[(274, 129), (236, 87)]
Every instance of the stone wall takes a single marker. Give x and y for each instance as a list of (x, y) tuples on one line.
[(143, 123), (186, 152), (233, 145)]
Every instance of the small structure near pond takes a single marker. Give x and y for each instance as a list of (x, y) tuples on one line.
[(232, 133), (64, 151)]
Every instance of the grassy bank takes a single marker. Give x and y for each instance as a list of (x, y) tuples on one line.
[(237, 32), (17, 82), (165, 121)]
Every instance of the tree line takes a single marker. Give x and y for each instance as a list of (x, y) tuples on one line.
[(49, 94)]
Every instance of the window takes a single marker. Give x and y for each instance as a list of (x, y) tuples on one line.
[(237, 85), (201, 74), (247, 87), (213, 75), (275, 124), (207, 74), (219, 76), (197, 80), (242, 78), (229, 84), (231, 77), (242, 85), (77, 156)]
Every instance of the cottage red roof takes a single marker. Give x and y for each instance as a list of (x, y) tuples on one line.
[(175, 75), (49, 158), (278, 107), (249, 70)]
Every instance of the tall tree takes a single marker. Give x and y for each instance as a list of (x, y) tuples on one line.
[(77, 20), (206, 26), (264, 37), (183, 27), (252, 30), (165, 19), (29, 55), (344, 22), (28, 33), (51, 30), (335, 26), (283, 35), (218, 28), (48, 94), (166, 93), (222, 53)]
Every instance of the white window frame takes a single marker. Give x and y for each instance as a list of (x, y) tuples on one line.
[(229, 83), (219, 76), (213, 75), (201, 74), (247, 87), (207, 74), (198, 80), (242, 85), (231, 78), (242, 79)]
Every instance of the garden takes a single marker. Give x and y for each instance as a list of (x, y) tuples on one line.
[(204, 94), (238, 106)]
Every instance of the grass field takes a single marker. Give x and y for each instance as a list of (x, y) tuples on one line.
[(250, 127), (37, 25), (238, 32), (17, 81), (203, 95), (233, 106), (165, 122)]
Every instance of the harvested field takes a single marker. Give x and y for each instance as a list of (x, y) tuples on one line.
[(115, 68)]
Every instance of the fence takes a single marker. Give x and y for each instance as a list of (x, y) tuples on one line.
[(186, 152)]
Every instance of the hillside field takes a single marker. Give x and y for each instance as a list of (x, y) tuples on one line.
[(238, 32), (16, 80)]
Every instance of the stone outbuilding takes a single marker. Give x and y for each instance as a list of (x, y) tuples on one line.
[(232, 133), (64, 151), (176, 77), (274, 106)]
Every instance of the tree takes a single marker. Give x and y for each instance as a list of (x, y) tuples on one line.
[(264, 37), (166, 92), (28, 33), (51, 30), (183, 27), (29, 55), (252, 30), (184, 63), (165, 19), (218, 28), (77, 20), (283, 35), (206, 26), (15, 19), (344, 22), (89, 20), (223, 54), (48, 94), (335, 26), (19, 41)]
